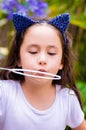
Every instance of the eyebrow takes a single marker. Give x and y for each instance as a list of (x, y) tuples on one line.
[(52, 46), (33, 45), (49, 46)]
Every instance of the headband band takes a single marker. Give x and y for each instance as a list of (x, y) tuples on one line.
[(60, 22)]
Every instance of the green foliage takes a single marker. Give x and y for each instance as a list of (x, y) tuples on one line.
[(81, 57), (82, 88), (80, 65), (79, 21), (77, 10)]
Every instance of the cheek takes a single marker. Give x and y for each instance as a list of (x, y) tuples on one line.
[(57, 60), (57, 64), (27, 62)]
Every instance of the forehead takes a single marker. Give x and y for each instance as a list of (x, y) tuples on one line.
[(43, 27), (43, 30)]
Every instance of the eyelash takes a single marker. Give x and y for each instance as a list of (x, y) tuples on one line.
[(52, 54), (32, 52), (35, 52)]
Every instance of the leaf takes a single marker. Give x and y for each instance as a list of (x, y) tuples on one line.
[(79, 23)]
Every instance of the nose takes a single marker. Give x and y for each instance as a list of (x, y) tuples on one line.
[(42, 59)]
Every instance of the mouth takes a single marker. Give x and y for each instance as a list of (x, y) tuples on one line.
[(41, 72)]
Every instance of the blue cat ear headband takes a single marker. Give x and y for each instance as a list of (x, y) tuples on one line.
[(60, 22)]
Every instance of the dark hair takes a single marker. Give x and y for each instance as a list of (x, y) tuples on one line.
[(66, 73)]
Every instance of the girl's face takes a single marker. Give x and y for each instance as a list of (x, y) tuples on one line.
[(41, 49)]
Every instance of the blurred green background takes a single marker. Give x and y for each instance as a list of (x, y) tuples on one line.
[(77, 10)]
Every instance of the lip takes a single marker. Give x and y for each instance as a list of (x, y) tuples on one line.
[(41, 70)]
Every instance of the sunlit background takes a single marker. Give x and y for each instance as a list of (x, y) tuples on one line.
[(49, 8)]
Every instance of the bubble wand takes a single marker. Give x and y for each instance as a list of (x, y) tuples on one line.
[(21, 72)]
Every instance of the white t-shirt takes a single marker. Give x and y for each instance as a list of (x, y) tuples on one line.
[(17, 114)]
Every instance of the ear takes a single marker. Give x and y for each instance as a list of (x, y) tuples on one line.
[(21, 22), (19, 63), (61, 66)]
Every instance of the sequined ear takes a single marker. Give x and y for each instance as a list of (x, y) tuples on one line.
[(21, 22), (61, 22)]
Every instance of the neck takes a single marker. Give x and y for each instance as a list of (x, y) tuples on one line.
[(36, 87), (40, 96)]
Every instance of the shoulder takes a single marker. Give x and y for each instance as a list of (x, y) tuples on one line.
[(7, 87), (7, 83), (8, 95), (68, 96), (75, 114), (65, 92)]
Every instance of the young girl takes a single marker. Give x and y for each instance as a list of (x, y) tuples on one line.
[(34, 102)]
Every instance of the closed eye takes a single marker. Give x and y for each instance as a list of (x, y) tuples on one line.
[(33, 52), (51, 53)]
